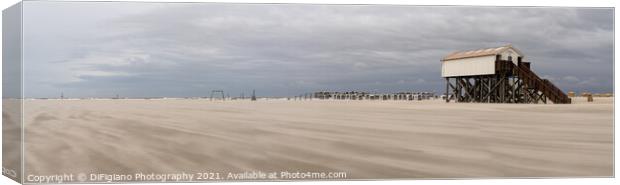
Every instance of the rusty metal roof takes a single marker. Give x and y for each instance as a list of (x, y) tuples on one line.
[(479, 52)]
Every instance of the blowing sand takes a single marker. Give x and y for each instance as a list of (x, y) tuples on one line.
[(366, 139)]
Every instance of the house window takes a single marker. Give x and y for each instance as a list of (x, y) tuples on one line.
[(509, 58)]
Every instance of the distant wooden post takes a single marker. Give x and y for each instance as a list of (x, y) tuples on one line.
[(447, 90)]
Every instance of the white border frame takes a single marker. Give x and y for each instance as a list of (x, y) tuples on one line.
[(557, 3)]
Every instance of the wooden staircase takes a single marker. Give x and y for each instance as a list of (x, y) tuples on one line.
[(533, 82)]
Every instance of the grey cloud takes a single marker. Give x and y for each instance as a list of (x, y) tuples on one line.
[(280, 50)]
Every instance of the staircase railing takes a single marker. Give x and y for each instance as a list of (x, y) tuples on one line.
[(533, 81)]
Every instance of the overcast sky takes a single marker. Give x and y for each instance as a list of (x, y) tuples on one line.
[(189, 49)]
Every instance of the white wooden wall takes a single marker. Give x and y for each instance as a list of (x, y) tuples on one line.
[(469, 66), (512, 53)]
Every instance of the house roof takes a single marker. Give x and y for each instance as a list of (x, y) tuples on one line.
[(479, 52)]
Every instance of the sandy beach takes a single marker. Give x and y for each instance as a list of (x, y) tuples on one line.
[(365, 139)]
